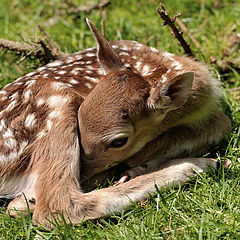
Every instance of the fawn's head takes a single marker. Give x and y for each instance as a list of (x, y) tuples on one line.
[(123, 112)]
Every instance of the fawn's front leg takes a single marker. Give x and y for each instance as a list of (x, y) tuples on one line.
[(54, 163), (76, 206)]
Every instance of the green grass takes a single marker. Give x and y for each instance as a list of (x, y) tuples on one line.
[(205, 208)]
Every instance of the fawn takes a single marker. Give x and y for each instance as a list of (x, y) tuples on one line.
[(80, 117)]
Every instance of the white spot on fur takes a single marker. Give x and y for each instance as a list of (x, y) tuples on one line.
[(167, 55), (153, 49), (2, 125), (8, 133), (57, 100), (164, 78), (100, 71), (75, 72), (115, 46), (138, 46), (55, 113), (70, 60), (27, 95), (15, 95), (89, 62), (91, 68), (40, 102), (30, 74), (3, 98), (30, 83), (138, 65), (18, 79), (79, 69), (124, 53), (146, 70), (78, 57), (74, 81), (11, 143), (127, 65), (62, 72), (90, 55), (88, 85), (57, 77), (30, 121), (49, 124), (45, 75), (2, 92), (55, 64), (18, 83), (124, 48), (6, 158), (95, 80), (41, 69), (177, 65)]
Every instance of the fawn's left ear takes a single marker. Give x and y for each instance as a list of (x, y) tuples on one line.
[(107, 57), (171, 94)]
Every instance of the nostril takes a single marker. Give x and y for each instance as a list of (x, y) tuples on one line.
[(32, 201)]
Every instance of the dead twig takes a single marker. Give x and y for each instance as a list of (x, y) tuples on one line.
[(103, 27), (233, 89), (202, 25), (19, 47), (175, 30), (75, 10), (185, 30), (51, 50), (44, 49), (103, 12)]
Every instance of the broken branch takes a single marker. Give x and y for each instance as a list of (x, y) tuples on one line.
[(185, 30), (47, 51), (175, 30), (17, 46), (50, 48)]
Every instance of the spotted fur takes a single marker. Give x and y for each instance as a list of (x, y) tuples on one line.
[(56, 127)]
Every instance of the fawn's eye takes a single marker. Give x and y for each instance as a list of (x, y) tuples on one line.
[(117, 143)]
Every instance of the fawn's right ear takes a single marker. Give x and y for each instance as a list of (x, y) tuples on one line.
[(171, 94), (107, 57)]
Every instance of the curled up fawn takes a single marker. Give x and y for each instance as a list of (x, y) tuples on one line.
[(76, 120)]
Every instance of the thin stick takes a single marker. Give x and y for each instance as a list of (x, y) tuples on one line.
[(47, 51), (185, 30), (233, 89), (17, 46), (103, 27), (176, 31), (50, 47)]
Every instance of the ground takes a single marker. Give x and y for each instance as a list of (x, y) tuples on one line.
[(205, 208)]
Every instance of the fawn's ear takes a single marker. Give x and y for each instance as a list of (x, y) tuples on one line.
[(107, 57), (171, 94)]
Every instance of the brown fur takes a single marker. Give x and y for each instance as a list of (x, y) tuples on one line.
[(58, 133)]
